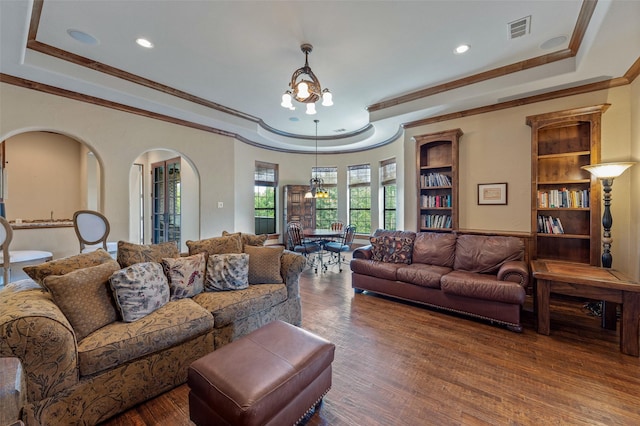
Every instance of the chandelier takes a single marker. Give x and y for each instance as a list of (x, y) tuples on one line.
[(316, 184), (305, 87)]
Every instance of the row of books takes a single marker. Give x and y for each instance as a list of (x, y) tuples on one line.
[(434, 179), (549, 225), (563, 198), (435, 201), (435, 221)]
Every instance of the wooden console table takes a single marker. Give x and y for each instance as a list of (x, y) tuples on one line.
[(592, 282)]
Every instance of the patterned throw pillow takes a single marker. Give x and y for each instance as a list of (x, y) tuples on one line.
[(216, 245), (139, 290), (249, 239), (185, 275), (264, 264), (67, 264), (391, 249), (227, 272), (130, 253), (84, 297)]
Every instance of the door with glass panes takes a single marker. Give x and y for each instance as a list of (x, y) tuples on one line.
[(166, 218)]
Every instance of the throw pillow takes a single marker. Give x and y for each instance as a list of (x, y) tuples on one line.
[(67, 264), (216, 245), (84, 297), (130, 253), (185, 275), (264, 264), (391, 249), (249, 239), (227, 272), (139, 290)]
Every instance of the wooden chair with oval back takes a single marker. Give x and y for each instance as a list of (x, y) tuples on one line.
[(6, 235), (92, 229)]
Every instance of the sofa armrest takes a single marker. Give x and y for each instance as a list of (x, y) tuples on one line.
[(291, 266), (362, 253), (515, 271), (34, 330)]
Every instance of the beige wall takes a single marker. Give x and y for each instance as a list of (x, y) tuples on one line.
[(495, 147), (634, 173), (44, 173)]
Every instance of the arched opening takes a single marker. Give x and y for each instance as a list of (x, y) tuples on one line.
[(164, 194)]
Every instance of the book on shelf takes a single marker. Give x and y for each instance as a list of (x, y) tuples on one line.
[(550, 225), (437, 201), (563, 198), (435, 221), (434, 179)]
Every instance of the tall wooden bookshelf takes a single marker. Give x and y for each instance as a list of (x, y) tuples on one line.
[(437, 180), (565, 200)]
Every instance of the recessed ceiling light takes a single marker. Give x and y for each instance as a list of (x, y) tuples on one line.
[(461, 49), (82, 37), (144, 43), (553, 42)]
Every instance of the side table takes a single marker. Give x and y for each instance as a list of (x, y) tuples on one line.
[(577, 279)]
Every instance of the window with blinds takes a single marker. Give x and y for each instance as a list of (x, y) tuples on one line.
[(359, 182), (389, 202), (265, 187)]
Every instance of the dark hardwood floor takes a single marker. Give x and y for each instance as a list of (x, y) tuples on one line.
[(401, 364)]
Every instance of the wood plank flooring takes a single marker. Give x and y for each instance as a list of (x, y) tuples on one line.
[(402, 364)]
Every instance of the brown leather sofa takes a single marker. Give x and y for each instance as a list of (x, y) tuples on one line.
[(478, 275)]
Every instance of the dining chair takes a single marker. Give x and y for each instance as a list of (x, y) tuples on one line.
[(6, 235), (92, 229), (336, 248), (297, 243)]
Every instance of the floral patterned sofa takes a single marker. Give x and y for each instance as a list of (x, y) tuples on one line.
[(96, 336)]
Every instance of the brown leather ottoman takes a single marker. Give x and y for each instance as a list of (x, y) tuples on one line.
[(272, 376)]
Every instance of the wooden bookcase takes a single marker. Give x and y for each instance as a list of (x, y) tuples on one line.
[(437, 180), (565, 200)]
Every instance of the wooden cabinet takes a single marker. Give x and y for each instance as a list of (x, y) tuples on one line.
[(565, 200), (437, 180)]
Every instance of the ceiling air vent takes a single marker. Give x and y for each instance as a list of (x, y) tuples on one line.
[(519, 27)]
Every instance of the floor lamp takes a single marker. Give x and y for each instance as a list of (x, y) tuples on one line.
[(606, 172)]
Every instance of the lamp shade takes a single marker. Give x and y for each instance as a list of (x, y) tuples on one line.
[(607, 170)]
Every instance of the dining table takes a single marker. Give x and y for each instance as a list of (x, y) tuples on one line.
[(321, 236)]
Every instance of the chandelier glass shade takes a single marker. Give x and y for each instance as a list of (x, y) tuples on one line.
[(305, 87), (316, 184)]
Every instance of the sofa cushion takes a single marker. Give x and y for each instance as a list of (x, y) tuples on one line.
[(67, 264), (227, 272), (374, 268), (434, 248), (120, 342), (185, 275), (264, 264), (249, 239), (485, 254), (217, 245), (84, 297), (232, 306), (130, 253), (391, 249), (139, 290), (422, 275), (482, 286)]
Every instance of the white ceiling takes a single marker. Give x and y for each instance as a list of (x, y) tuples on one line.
[(240, 55)]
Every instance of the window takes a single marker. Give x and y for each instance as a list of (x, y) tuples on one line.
[(327, 208), (264, 201), (388, 183), (359, 180), (166, 201)]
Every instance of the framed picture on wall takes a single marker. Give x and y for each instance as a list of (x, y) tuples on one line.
[(492, 193)]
